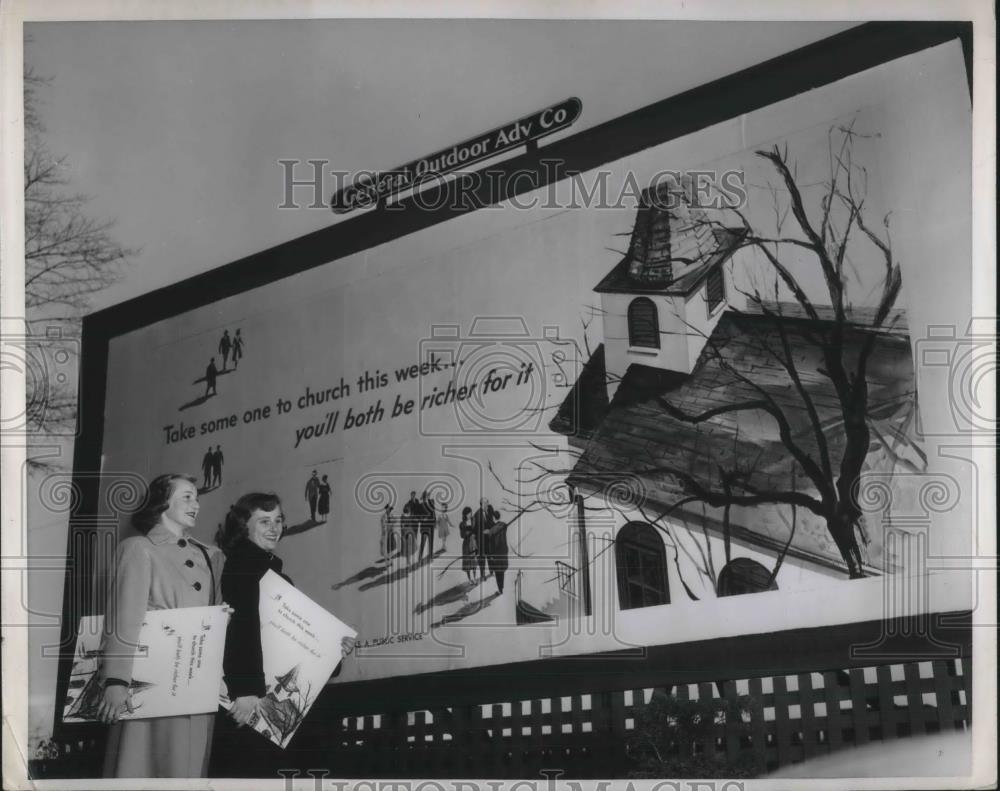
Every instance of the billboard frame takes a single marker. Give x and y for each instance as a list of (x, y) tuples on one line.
[(860, 48)]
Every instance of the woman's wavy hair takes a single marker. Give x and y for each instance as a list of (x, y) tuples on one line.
[(234, 529), (157, 499)]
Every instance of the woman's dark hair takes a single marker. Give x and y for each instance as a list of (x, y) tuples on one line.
[(466, 511), (235, 528), (157, 499)]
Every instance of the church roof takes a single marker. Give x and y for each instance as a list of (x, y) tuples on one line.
[(673, 246), (685, 282), (636, 435)]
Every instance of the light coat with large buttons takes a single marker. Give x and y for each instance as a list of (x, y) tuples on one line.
[(154, 572)]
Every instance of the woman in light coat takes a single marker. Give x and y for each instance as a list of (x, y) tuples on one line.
[(163, 567)]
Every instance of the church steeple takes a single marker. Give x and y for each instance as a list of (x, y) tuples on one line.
[(662, 300), (669, 236)]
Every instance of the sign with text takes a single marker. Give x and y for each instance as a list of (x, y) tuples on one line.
[(370, 188), (301, 646), (421, 405), (177, 668)]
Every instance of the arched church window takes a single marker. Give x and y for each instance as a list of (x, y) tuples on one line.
[(743, 575), (643, 324), (641, 567)]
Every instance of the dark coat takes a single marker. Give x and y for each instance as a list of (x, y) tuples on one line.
[(240, 751), (482, 522), (243, 663), (498, 557)]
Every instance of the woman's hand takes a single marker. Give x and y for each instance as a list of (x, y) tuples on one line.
[(115, 697), (243, 709), (347, 645)]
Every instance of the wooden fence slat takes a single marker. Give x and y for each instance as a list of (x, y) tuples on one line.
[(616, 708), (558, 740), (886, 705), (538, 741), (733, 746), (967, 686), (942, 694), (442, 752), (419, 754), (859, 706), (705, 693), (517, 740), (834, 721), (482, 753), (757, 726), (460, 748), (497, 746), (782, 726), (914, 701), (810, 731)]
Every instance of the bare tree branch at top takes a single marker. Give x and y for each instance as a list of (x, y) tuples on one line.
[(69, 256)]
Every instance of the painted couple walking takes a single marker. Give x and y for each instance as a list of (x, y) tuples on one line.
[(211, 468), (229, 346), (318, 494), (484, 544), (230, 349)]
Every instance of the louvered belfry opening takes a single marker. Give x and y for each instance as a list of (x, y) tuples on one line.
[(670, 234)]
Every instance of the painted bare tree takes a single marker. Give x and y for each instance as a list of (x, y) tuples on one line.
[(820, 477), (68, 257), (824, 236)]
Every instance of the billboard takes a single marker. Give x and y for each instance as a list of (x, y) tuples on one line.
[(400, 399)]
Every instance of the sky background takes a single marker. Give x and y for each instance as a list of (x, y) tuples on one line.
[(176, 128)]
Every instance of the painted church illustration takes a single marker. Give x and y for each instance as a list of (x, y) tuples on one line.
[(654, 437)]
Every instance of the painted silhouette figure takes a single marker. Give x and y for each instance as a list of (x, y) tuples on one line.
[(312, 494), (482, 523), (225, 344), (426, 526), (411, 519), (207, 466), (323, 506), (217, 466), (211, 374), (470, 549), (237, 348), (498, 558), (443, 526), (387, 536)]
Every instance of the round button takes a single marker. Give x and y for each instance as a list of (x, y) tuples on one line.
[(197, 586), (182, 543), (189, 563)]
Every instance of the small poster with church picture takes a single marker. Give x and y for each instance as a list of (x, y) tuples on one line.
[(301, 644), (178, 664)]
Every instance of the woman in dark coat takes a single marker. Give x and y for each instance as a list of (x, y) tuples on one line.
[(251, 533), (498, 558), (323, 507), (470, 548)]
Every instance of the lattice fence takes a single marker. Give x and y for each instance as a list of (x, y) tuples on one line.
[(792, 718)]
